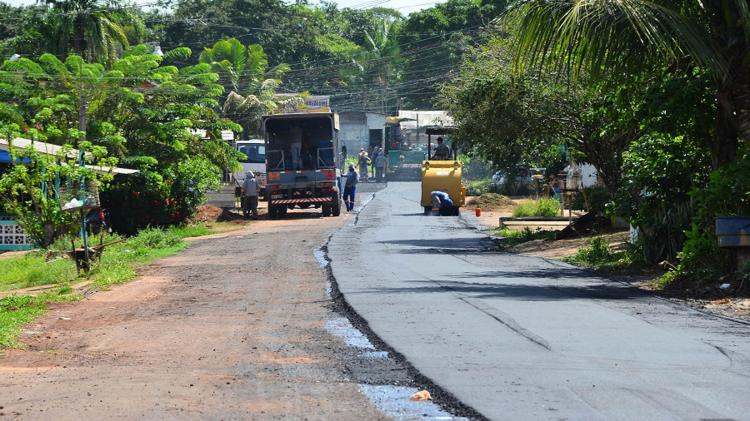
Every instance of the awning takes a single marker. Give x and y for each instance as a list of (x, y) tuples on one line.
[(396, 119), (439, 130), (51, 149)]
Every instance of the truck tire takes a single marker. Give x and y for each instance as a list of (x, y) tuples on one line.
[(427, 210), (336, 208), (326, 210), (273, 212)]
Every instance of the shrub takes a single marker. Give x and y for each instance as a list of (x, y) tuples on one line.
[(727, 193), (597, 197), (659, 171), (595, 253), (478, 187), (545, 207)]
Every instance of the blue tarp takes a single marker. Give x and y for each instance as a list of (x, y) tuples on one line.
[(5, 158)]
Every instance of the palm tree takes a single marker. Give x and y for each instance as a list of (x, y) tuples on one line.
[(251, 84), (376, 64), (603, 37), (93, 30)]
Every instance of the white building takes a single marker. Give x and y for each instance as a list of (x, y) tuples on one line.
[(361, 130)]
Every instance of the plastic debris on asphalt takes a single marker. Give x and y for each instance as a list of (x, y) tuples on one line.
[(422, 395)]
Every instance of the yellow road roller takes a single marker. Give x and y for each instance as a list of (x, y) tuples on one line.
[(441, 172)]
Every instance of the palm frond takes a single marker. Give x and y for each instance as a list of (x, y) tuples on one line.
[(599, 35)]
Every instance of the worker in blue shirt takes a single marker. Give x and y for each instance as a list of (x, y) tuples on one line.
[(442, 201)]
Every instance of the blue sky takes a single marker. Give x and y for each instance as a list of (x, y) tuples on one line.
[(403, 6)]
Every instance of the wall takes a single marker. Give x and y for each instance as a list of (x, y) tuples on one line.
[(355, 129)]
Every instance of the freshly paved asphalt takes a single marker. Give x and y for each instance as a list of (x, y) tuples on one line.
[(524, 338)]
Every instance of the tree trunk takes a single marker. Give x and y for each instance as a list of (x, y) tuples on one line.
[(724, 145), (733, 92), (78, 37)]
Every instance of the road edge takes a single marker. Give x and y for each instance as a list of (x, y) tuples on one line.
[(339, 303), (471, 222)]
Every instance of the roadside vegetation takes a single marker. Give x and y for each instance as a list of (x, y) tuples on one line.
[(57, 273), (599, 255), (533, 95), (512, 237), (544, 207)]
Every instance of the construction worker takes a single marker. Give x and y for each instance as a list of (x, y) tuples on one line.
[(442, 152), (250, 191), (442, 201)]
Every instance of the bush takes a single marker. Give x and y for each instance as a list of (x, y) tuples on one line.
[(659, 171), (594, 254), (545, 207), (727, 193), (597, 254), (597, 197), (478, 187), (154, 199)]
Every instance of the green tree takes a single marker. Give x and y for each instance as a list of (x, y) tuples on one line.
[(91, 28), (145, 111), (438, 38), (603, 37), (375, 67), (251, 84)]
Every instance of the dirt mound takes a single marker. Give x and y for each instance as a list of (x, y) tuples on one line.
[(490, 201), (209, 213)]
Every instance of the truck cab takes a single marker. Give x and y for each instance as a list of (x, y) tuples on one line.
[(302, 164), (254, 152)]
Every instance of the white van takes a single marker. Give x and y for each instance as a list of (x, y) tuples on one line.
[(255, 161)]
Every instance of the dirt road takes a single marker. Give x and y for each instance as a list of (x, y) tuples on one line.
[(232, 328)]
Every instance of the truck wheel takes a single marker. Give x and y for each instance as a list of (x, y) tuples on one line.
[(273, 212), (427, 210), (336, 210), (326, 210)]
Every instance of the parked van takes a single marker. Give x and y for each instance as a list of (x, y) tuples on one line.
[(254, 151)]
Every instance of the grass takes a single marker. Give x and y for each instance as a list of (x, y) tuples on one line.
[(192, 231), (478, 187), (513, 237), (118, 264), (545, 207), (17, 310), (598, 255), (32, 270)]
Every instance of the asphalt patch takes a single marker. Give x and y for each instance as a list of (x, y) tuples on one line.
[(367, 366)]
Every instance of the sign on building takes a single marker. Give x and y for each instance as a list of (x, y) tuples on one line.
[(318, 103)]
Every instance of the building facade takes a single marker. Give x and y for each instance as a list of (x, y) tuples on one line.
[(361, 130)]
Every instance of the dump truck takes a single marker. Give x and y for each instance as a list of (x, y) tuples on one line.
[(302, 168)]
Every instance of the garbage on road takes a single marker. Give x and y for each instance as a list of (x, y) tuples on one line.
[(422, 395)]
